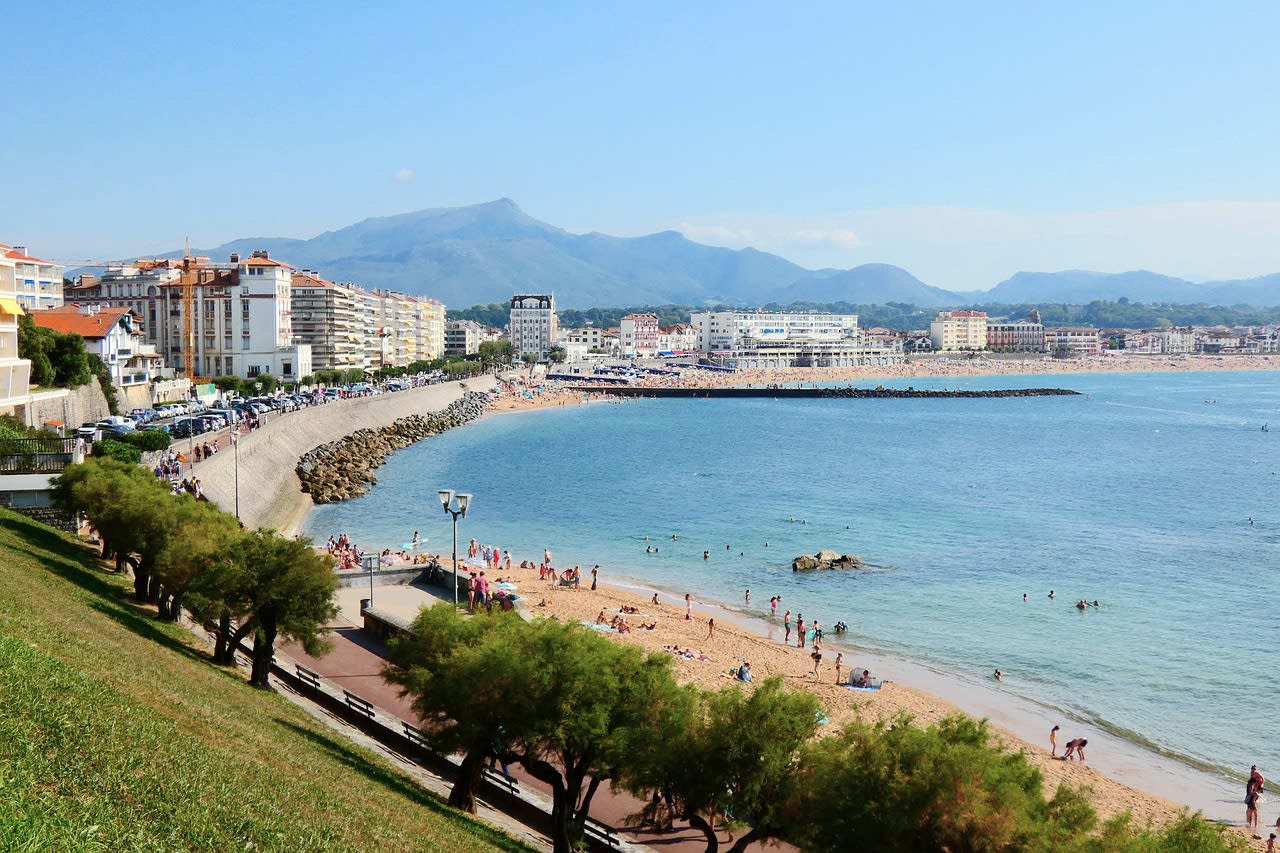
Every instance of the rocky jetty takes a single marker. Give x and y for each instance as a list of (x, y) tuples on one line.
[(849, 392), (343, 469), (825, 560)]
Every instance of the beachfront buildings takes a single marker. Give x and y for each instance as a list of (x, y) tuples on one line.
[(954, 331), (534, 326), (768, 339), (730, 330), (462, 337), (1073, 341), (638, 335), (678, 338), (238, 314), (409, 328), (1020, 336), (15, 373), (112, 335), (37, 283)]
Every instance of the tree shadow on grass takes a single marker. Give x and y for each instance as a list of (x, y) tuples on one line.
[(356, 760), (81, 567)]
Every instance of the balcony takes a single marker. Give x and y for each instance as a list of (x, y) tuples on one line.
[(36, 455)]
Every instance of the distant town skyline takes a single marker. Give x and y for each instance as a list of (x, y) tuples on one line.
[(961, 143)]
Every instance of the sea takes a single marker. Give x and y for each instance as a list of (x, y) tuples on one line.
[(1155, 494)]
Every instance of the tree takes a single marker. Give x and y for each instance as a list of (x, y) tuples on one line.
[(595, 706), (463, 675), (496, 352), (202, 547), (268, 382), (738, 754), (557, 354), (121, 451), (226, 382), (279, 588)]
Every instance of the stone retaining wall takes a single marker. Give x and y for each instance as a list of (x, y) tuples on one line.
[(343, 469)]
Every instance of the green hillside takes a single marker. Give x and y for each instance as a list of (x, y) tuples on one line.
[(116, 733)]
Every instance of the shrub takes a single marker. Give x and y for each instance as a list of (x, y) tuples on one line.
[(149, 439), (117, 450)]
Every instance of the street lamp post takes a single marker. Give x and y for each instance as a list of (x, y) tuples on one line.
[(463, 500), (235, 445)]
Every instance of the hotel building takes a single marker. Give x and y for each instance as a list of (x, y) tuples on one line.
[(953, 331), (534, 325), (638, 335), (1023, 336), (1074, 340)]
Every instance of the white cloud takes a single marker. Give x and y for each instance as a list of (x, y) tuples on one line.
[(976, 248), (403, 176)]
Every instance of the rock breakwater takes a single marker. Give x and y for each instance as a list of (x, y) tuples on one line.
[(343, 469)]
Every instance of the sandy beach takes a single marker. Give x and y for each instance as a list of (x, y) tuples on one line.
[(277, 500)]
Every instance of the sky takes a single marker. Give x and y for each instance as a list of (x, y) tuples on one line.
[(961, 141)]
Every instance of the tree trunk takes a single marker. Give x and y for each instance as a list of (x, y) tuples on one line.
[(222, 646), (699, 823), (264, 647), (463, 794), (563, 797), (755, 834)]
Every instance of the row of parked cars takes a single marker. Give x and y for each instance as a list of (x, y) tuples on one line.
[(192, 418)]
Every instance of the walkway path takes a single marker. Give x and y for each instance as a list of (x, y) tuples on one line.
[(356, 662)]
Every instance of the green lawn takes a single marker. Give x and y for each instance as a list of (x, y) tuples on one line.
[(116, 733)]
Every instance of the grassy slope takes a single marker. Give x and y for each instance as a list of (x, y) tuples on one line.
[(116, 734)]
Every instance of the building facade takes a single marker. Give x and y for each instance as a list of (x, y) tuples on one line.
[(732, 330), (1023, 336), (336, 320), (638, 335), (462, 337), (15, 373), (955, 331), (111, 335), (240, 321), (37, 283), (534, 325), (1075, 340)]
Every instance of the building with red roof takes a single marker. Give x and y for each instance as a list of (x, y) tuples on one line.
[(37, 282)]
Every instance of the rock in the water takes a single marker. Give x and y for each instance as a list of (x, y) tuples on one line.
[(825, 559)]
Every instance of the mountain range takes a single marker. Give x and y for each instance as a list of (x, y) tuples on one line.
[(486, 252)]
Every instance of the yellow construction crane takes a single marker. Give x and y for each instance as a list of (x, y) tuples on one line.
[(187, 282)]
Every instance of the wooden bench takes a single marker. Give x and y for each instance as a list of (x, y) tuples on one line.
[(364, 706), (306, 676), (602, 832)]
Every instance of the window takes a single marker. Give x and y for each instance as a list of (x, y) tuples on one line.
[(254, 370), (286, 368)]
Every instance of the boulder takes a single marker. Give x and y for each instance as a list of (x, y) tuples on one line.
[(825, 559)]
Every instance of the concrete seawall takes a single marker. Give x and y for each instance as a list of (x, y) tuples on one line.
[(270, 492), (851, 393)]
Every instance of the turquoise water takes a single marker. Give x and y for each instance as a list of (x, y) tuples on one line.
[(1137, 494)]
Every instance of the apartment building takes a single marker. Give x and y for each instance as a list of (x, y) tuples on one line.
[(337, 321), (534, 326), (588, 338), (15, 373), (462, 337), (112, 335), (37, 283), (1076, 340), (638, 335), (681, 337), (241, 322), (409, 328), (955, 331)]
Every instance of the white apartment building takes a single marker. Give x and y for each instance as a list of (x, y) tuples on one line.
[(37, 283), (638, 335), (409, 328), (111, 335), (587, 338), (462, 337), (241, 322), (953, 331), (15, 373), (1176, 340), (534, 325), (1076, 340), (336, 320), (735, 330)]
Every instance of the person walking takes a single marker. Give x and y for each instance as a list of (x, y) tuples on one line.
[(839, 665), (711, 628), (595, 571), (786, 623), (688, 607), (799, 630), (1053, 741), (817, 661)]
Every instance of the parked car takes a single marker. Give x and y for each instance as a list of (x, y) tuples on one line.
[(186, 428), (89, 431), (117, 420), (141, 415)]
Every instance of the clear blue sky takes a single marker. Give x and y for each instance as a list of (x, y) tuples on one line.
[(961, 141)]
